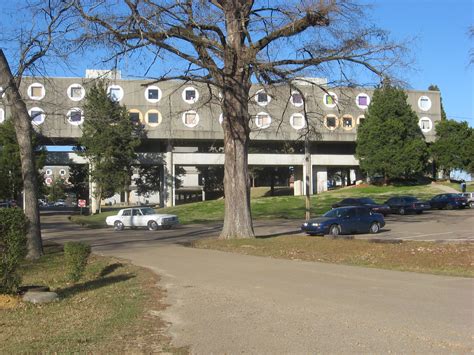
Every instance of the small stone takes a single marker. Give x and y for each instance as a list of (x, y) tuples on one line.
[(40, 297)]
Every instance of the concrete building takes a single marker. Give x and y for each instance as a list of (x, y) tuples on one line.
[(183, 124)]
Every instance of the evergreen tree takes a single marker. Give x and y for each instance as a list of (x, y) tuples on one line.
[(109, 139), (10, 163), (390, 142), (433, 87), (79, 181), (454, 147)]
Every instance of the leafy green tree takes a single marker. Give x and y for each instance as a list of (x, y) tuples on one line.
[(390, 142), (109, 139), (10, 162), (57, 189), (454, 147), (433, 87), (79, 181), (149, 179)]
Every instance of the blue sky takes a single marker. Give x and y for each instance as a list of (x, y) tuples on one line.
[(441, 47)]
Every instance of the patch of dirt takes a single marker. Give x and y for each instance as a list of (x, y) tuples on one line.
[(8, 302)]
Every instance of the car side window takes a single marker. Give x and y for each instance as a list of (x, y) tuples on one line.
[(362, 212), (136, 213), (127, 213), (351, 213)]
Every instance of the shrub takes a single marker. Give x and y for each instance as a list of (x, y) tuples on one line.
[(13, 227), (76, 255)]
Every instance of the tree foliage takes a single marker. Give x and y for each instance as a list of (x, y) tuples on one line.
[(389, 141), (109, 139), (10, 162), (79, 181), (453, 147), (150, 179)]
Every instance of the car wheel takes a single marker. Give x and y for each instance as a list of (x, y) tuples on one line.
[(419, 212), (401, 211), (449, 206), (152, 225), (118, 226), (471, 204), (334, 230), (374, 228), (166, 227)]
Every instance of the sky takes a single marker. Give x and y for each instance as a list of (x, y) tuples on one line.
[(437, 31)]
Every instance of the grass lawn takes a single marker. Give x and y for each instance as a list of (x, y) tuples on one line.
[(424, 257), (112, 310), (291, 207), (469, 185)]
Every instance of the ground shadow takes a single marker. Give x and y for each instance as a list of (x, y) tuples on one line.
[(92, 285), (110, 269)]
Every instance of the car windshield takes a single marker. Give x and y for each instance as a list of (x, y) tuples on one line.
[(411, 199), (367, 201), (148, 210)]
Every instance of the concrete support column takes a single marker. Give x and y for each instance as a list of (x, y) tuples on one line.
[(168, 178), (353, 176), (321, 179), (307, 180), (298, 181)]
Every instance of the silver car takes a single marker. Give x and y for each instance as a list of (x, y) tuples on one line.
[(141, 217), (470, 198)]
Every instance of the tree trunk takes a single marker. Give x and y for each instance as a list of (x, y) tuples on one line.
[(22, 123)]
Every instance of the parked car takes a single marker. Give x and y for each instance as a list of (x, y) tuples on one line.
[(470, 198), (448, 201), (407, 204), (5, 204), (363, 201), (345, 220), (60, 203), (42, 203), (141, 217)]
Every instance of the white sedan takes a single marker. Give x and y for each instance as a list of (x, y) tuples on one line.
[(141, 217)]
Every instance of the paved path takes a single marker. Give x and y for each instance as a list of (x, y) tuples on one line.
[(230, 303)]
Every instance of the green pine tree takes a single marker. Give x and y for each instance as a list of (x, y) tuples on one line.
[(433, 87), (109, 139), (390, 142)]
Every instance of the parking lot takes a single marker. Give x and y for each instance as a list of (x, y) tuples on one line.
[(434, 225)]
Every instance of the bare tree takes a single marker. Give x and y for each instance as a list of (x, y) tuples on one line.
[(32, 46), (230, 44)]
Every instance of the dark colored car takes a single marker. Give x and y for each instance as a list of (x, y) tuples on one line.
[(344, 220), (363, 201), (407, 204), (449, 201)]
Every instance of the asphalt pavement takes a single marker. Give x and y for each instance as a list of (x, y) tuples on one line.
[(230, 303)]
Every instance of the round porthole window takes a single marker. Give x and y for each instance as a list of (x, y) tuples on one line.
[(362, 101), (297, 121), (424, 103), (153, 94), (263, 120), (48, 181), (36, 91), (330, 99), (425, 124), (115, 92), (2, 93), (37, 115), (75, 116), (190, 119), (190, 95), (49, 172), (76, 92), (347, 122)]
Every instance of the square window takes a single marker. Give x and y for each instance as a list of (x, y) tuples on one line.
[(263, 120), (298, 121), (297, 98), (153, 117), (36, 116), (134, 117), (424, 103), (36, 91), (363, 100), (262, 97), (76, 92), (190, 95), (114, 94), (329, 100), (347, 122), (153, 94), (425, 124), (75, 116), (190, 119), (331, 122)]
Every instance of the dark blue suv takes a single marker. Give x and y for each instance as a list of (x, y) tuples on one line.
[(448, 201)]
